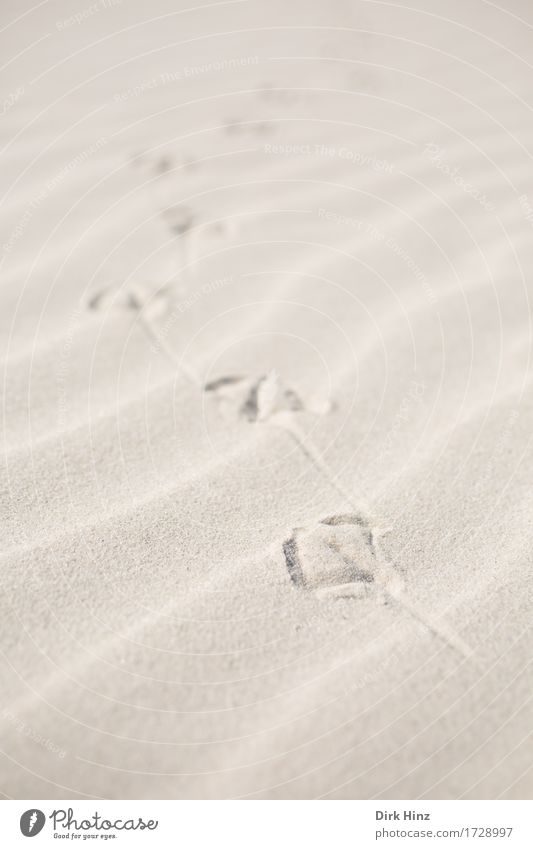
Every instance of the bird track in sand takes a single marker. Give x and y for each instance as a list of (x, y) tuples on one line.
[(342, 556)]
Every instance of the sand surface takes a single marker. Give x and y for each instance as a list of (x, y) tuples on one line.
[(265, 349)]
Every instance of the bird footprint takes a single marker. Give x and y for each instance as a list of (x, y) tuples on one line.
[(340, 556), (258, 400), (134, 297)]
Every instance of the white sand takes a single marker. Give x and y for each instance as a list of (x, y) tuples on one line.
[(312, 579)]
